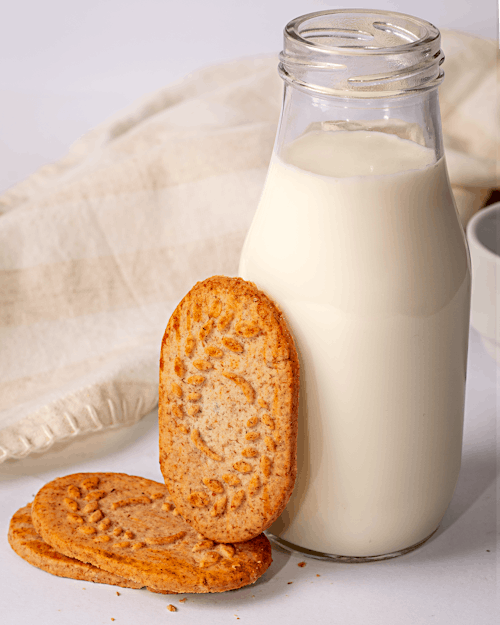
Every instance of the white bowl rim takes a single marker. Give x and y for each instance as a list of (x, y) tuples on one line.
[(472, 230)]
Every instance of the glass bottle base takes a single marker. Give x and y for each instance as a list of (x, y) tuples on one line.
[(349, 559)]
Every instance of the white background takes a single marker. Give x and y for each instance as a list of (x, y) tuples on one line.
[(66, 65)]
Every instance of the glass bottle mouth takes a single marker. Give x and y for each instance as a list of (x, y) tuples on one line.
[(361, 53)]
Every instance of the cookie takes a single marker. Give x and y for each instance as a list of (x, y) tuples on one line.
[(128, 526), (25, 541), (228, 402)]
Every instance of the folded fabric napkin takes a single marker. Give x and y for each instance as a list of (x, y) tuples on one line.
[(97, 249)]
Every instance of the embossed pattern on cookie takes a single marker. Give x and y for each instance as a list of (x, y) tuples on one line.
[(234, 420), (28, 544), (134, 531)]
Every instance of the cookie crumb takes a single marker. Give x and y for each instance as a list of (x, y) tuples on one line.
[(301, 564), (290, 582), (318, 575), (171, 608), (183, 600), (117, 594)]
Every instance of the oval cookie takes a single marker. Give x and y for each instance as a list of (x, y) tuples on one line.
[(128, 526), (228, 401), (30, 546)]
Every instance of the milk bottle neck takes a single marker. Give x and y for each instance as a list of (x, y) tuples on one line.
[(414, 117), (361, 69)]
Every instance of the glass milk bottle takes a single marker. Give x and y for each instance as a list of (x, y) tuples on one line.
[(357, 239)]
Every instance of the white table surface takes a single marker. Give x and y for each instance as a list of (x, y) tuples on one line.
[(451, 580), (66, 66)]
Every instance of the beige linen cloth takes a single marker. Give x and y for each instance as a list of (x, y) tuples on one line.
[(97, 249)]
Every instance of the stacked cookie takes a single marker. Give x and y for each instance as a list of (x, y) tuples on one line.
[(228, 428)]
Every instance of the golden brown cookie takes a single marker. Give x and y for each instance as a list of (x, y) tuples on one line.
[(229, 384), (25, 541), (128, 526)]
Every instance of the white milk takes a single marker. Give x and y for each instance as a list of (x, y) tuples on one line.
[(356, 238)]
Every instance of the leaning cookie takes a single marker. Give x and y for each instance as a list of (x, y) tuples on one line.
[(128, 526), (25, 541), (228, 402)]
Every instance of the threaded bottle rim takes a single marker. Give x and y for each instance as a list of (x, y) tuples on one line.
[(361, 53)]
